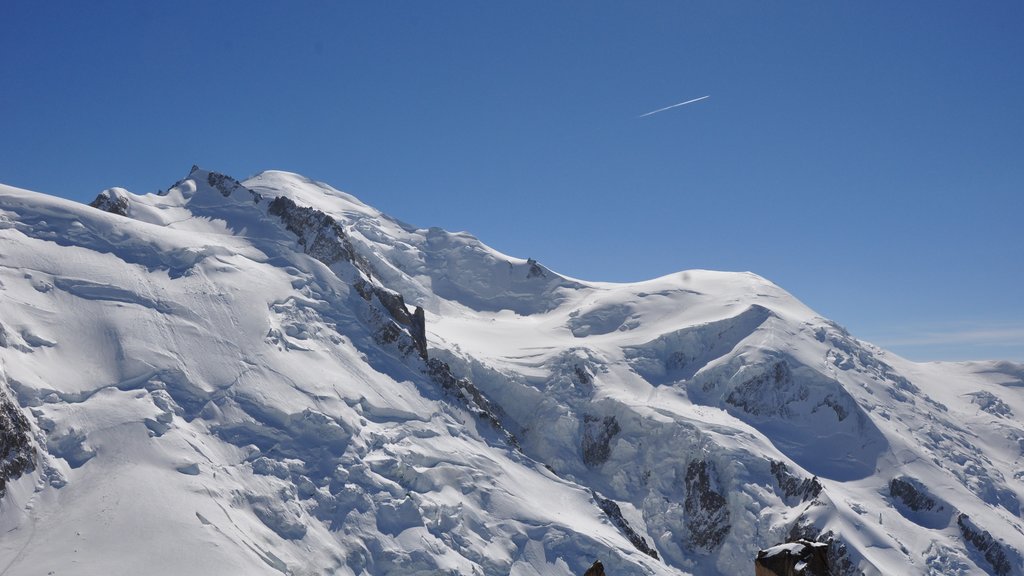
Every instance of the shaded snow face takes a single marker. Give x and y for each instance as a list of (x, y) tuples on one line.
[(281, 379)]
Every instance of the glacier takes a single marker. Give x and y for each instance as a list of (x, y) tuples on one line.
[(269, 376)]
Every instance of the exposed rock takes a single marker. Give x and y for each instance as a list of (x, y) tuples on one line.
[(706, 511), (582, 376), (418, 330), (364, 289), (912, 494), (394, 303), (614, 513), (536, 271), (320, 235), (794, 487), (596, 569), (386, 329), (17, 455), (749, 396), (474, 400), (597, 436), (999, 556), (226, 185), (323, 238), (992, 404), (912, 499), (799, 558), (111, 201), (838, 558)]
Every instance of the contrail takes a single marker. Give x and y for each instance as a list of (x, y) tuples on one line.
[(675, 105)]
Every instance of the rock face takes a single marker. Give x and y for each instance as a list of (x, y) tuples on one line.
[(596, 569), (111, 201), (909, 493), (225, 184), (792, 486), (597, 436), (838, 559), (614, 513), (799, 558), (320, 235), (706, 511), (415, 323), (469, 396), (916, 503), (324, 238), (536, 271), (17, 456), (1003, 560), (912, 495)]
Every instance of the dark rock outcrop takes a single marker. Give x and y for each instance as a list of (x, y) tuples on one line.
[(792, 486), (536, 271), (838, 559), (597, 436), (582, 376), (319, 235), (111, 201), (707, 517), (415, 322), (1000, 557), (912, 495), (323, 238), (471, 397), (912, 499), (749, 396), (596, 569), (798, 558), (17, 455), (614, 513), (418, 330), (226, 185)]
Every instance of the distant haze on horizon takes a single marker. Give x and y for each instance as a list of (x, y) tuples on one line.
[(865, 158)]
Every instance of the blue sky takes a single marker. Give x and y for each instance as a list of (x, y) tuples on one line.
[(867, 157)]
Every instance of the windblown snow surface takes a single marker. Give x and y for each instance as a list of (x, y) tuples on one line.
[(233, 378)]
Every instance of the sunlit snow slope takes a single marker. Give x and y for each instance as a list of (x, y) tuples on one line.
[(270, 376)]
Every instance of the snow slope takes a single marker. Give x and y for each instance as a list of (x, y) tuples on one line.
[(270, 376)]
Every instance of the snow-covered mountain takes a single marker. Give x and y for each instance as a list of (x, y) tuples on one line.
[(270, 376)]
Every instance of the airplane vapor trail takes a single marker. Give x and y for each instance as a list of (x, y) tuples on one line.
[(675, 106)]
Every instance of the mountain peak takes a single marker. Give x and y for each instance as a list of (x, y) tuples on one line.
[(280, 378)]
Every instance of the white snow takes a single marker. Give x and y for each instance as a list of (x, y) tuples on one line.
[(206, 397)]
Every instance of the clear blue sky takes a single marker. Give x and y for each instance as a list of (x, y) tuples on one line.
[(866, 156)]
